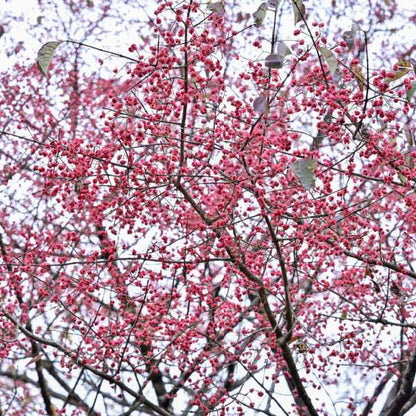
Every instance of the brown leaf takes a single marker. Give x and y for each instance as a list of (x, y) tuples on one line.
[(395, 289), (34, 360), (356, 70), (404, 67), (302, 347), (300, 11)]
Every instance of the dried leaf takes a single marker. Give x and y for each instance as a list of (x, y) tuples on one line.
[(409, 137), (34, 360), (408, 158), (318, 139), (376, 287), (241, 17), (293, 339), (273, 61), (283, 49), (217, 7), (403, 68), (302, 347), (410, 93), (413, 62), (394, 289), (260, 104), (330, 59), (260, 14), (411, 147), (356, 70), (365, 132), (349, 38), (304, 169), (273, 4), (45, 55), (298, 10)]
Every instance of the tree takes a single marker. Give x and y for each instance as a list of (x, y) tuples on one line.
[(223, 224)]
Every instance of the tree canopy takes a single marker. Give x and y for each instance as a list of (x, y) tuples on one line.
[(208, 208)]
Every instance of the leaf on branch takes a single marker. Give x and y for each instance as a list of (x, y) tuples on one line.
[(377, 288), (368, 271), (394, 289), (45, 55), (34, 360), (408, 155), (330, 59), (409, 137), (317, 140), (260, 104), (349, 36), (275, 60), (413, 62), (356, 70), (260, 14), (274, 4), (241, 17), (304, 169), (410, 93), (299, 10), (410, 150), (302, 347), (217, 7), (403, 179), (293, 338), (403, 68), (283, 49)]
